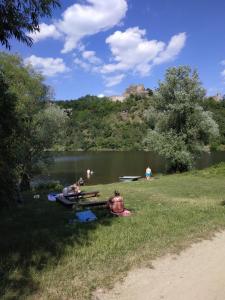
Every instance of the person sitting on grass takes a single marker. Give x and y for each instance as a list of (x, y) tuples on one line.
[(116, 205)]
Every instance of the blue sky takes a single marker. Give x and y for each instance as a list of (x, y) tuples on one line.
[(100, 47)]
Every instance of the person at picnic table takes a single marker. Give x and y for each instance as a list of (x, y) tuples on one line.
[(72, 189), (148, 173), (80, 181), (116, 205)]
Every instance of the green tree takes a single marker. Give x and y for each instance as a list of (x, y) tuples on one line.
[(8, 133), (46, 129), (182, 127), (40, 124), (20, 17), (218, 111), (31, 95), (103, 124), (50, 125)]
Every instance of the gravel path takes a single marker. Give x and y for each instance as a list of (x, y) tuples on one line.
[(197, 273)]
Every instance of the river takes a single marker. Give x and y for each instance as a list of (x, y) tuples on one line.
[(108, 166)]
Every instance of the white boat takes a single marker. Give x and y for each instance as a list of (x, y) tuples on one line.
[(129, 178)]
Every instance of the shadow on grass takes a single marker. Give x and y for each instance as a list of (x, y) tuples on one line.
[(35, 237)]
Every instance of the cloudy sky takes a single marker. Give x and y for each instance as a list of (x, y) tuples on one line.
[(99, 47)]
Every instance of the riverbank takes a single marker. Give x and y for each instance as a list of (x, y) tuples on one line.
[(109, 166), (220, 147), (43, 256)]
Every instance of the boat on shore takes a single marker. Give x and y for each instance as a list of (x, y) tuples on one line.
[(129, 178)]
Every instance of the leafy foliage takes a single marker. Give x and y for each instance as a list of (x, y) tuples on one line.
[(175, 121), (19, 17), (103, 124), (8, 132), (182, 127), (40, 124), (172, 147), (218, 111)]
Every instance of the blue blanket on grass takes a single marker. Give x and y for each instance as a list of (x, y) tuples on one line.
[(86, 216)]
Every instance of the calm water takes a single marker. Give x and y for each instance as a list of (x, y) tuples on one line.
[(108, 166)]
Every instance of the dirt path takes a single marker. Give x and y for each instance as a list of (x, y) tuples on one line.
[(198, 273)]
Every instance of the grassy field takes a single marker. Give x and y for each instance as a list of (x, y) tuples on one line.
[(42, 256)]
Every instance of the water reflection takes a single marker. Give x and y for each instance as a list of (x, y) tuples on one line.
[(109, 166)]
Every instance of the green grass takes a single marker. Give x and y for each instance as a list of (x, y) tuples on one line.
[(42, 256)]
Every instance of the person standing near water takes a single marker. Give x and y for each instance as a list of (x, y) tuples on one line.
[(88, 173), (148, 173)]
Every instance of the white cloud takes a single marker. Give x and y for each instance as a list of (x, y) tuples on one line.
[(46, 31), (113, 80), (91, 57), (131, 51), (84, 65), (174, 47), (47, 66), (81, 20), (88, 61), (101, 96), (223, 74), (223, 62)]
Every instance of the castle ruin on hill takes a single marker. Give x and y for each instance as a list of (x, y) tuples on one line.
[(138, 89)]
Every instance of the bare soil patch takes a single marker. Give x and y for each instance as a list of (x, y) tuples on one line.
[(197, 273)]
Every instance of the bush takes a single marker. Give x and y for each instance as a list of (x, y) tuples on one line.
[(56, 186)]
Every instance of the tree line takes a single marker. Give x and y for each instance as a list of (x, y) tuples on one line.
[(176, 120)]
